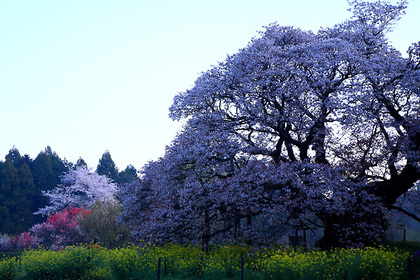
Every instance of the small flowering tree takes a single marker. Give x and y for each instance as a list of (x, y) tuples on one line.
[(5, 244), (22, 241), (79, 188), (60, 229)]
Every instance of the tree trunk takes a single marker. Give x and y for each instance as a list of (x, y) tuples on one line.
[(206, 234), (249, 228), (347, 230)]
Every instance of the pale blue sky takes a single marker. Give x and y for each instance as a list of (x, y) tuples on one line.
[(85, 76)]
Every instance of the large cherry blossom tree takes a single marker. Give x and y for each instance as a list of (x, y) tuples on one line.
[(297, 129)]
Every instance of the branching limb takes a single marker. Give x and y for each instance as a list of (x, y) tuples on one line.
[(411, 215)]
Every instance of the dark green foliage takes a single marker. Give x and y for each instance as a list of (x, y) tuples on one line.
[(127, 176), (14, 157), (17, 191), (47, 169), (106, 166), (80, 162), (4, 196), (22, 181), (26, 197)]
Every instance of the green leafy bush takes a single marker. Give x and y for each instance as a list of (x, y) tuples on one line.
[(71, 263), (369, 263), (101, 227), (189, 262), (8, 268)]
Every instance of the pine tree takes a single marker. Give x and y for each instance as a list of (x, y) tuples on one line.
[(127, 175), (47, 169), (16, 194), (107, 167)]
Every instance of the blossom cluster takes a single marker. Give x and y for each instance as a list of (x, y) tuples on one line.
[(61, 228), (80, 187)]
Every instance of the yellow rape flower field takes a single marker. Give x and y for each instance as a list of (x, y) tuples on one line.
[(221, 262)]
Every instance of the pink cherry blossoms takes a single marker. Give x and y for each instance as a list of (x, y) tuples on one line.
[(79, 187)]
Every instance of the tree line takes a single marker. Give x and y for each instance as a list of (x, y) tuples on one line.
[(23, 181)]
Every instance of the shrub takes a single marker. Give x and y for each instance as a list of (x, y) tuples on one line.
[(21, 241), (8, 268), (71, 263), (60, 229), (101, 227), (187, 262), (5, 243), (369, 263)]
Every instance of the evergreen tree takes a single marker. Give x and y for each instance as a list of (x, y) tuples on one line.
[(44, 177), (16, 194), (14, 157), (58, 165), (127, 175), (4, 190), (9, 185), (26, 207), (80, 162), (47, 169), (107, 167), (27, 159)]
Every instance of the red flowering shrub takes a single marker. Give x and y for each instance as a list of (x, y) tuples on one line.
[(22, 241), (60, 229)]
